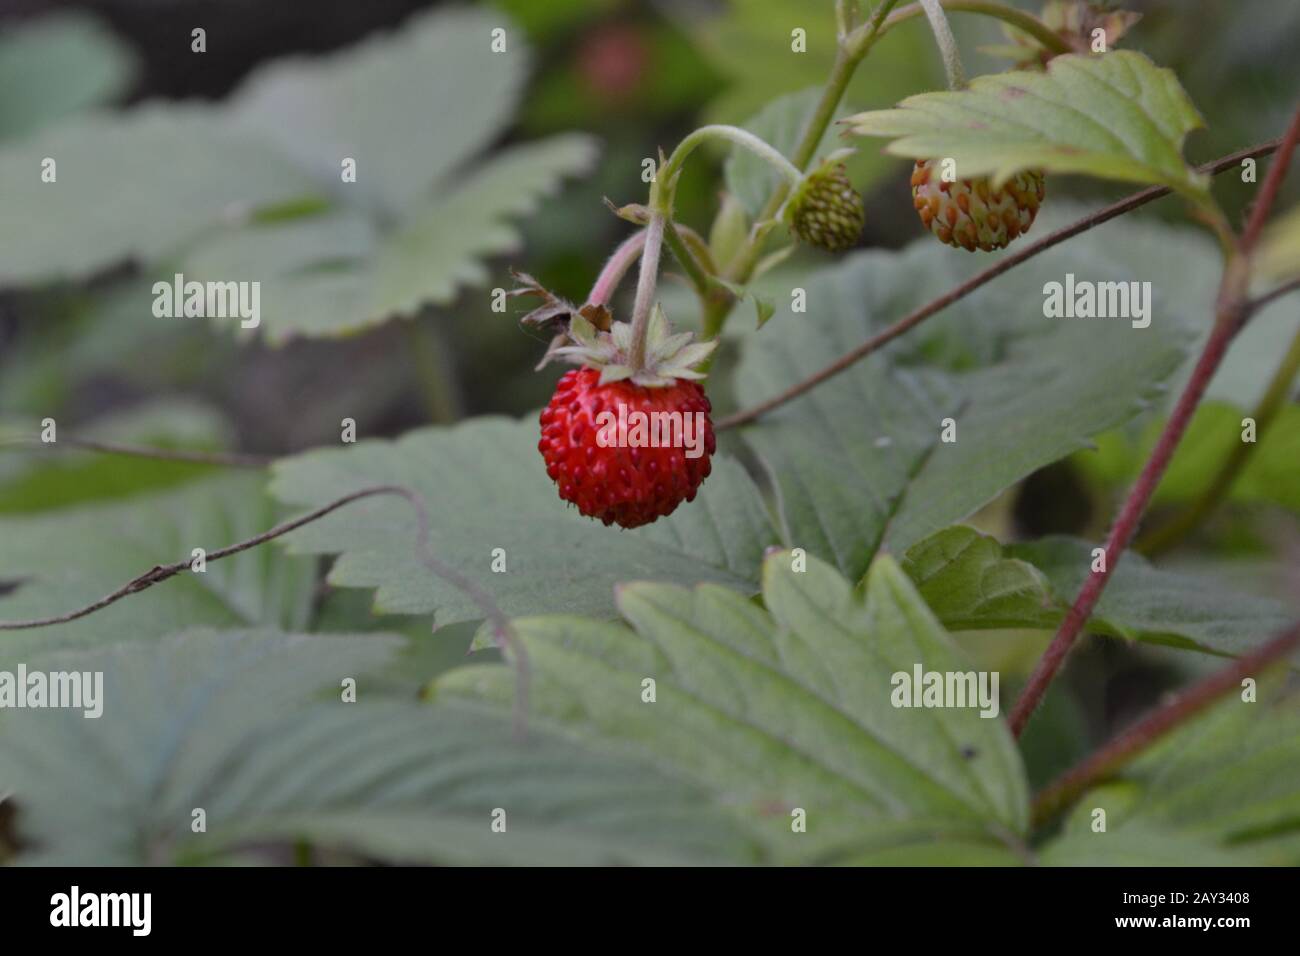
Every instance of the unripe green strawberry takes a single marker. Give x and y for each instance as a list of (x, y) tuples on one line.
[(969, 213), (826, 211)]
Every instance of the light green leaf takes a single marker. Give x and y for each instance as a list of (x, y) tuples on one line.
[(788, 707), (253, 191), (485, 486), (1116, 116), (225, 721), (1268, 475), (1148, 603), (972, 583), (969, 583), (36, 478), (169, 172), (1226, 779), (56, 66), (1135, 845), (439, 248), (860, 461), (444, 96), (750, 44), (1279, 252), (62, 560), (334, 274)]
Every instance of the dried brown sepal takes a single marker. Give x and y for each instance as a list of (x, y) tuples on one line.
[(554, 312), (1074, 21)]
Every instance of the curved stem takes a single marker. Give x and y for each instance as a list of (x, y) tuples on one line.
[(732, 134), (645, 287), (947, 44), (852, 49), (1275, 396), (686, 249), (1021, 20), (500, 624), (846, 14), (848, 55), (1005, 264), (742, 265), (1102, 764), (1232, 309), (1227, 323), (615, 268), (1286, 288)]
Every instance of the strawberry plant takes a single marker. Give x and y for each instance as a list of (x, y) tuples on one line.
[(969, 551)]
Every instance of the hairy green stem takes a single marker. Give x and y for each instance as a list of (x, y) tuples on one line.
[(697, 269), (433, 371), (846, 17), (1021, 20), (852, 49), (732, 134), (645, 286), (947, 44), (850, 53)]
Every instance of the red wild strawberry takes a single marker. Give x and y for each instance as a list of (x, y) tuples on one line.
[(628, 445), (969, 213), (629, 486)]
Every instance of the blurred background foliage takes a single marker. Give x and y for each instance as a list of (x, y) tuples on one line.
[(638, 75)]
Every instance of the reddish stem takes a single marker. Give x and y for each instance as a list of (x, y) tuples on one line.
[(616, 268), (1272, 182), (1141, 735), (1231, 311), (1126, 522)]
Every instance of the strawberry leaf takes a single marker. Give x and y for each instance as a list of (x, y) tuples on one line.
[(486, 487), (971, 582), (331, 274), (250, 727), (781, 708), (1115, 116), (1224, 781), (253, 191), (1268, 474), (862, 460), (56, 65), (1278, 257), (64, 559), (139, 169)]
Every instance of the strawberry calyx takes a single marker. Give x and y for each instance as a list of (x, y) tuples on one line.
[(669, 356)]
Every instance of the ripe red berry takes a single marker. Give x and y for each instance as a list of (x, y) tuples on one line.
[(629, 486), (970, 214)]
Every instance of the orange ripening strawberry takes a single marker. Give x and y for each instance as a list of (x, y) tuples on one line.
[(971, 214)]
